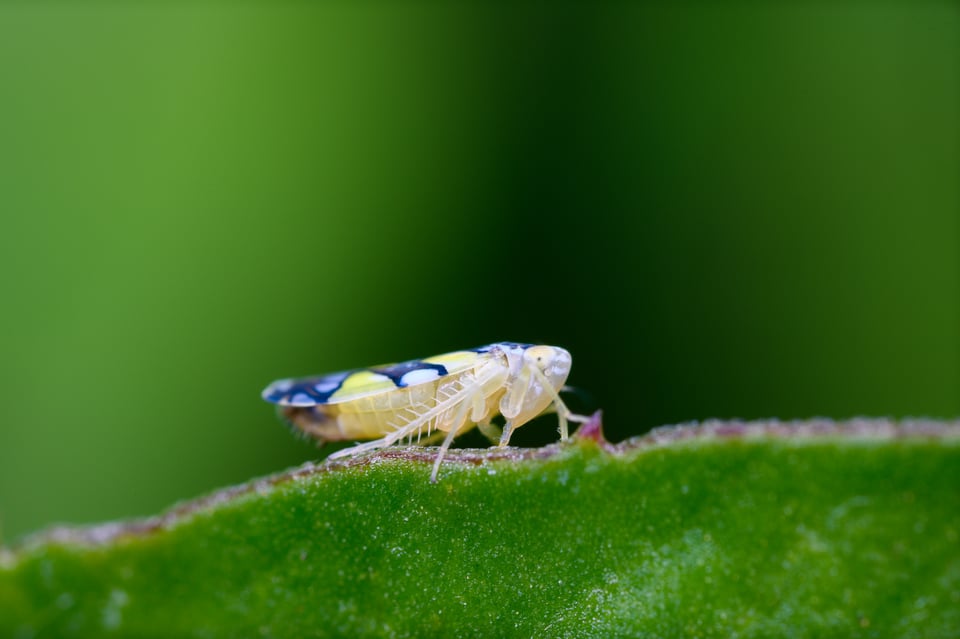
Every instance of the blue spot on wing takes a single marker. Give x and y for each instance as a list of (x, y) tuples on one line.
[(308, 391), (490, 347), (316, 391), (396, 371)]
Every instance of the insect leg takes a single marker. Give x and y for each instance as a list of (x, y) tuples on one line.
[(406, 429), (458, 419), (375, 444), (489, 431), (563, 413), (505, 435), (411, 425), (431, 439)]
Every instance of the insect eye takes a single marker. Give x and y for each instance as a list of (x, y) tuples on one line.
[(541, 355)]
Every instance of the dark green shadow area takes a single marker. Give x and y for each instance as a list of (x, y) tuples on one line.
[(753, 530), (197, 198)]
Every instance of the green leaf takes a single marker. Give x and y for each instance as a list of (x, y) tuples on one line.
[(727, 529)]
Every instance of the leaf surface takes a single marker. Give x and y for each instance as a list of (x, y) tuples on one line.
[(725, 529)]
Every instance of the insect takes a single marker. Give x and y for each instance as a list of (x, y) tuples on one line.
[(428, 400)]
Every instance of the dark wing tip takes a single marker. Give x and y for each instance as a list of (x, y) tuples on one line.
[(288, 392), (310, 391)]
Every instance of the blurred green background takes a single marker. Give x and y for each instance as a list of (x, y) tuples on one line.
[(721, 210)]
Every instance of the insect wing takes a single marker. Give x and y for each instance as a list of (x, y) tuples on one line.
[(347, 386), (306, 391)]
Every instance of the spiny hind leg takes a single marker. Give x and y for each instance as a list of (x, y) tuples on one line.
[(411, 421), (360, 448), (458, 420), (431, 439), (405, 430)]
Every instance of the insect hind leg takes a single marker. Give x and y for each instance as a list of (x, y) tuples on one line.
[(420, 416), (365, 447), (458, 419)]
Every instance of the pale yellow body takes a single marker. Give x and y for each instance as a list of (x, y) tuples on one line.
[(516, 382), (372, 416)]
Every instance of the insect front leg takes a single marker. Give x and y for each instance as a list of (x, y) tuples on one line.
[(563, 413)]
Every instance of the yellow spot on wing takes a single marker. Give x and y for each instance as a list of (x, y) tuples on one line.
[(360, 384), (456, 361)]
